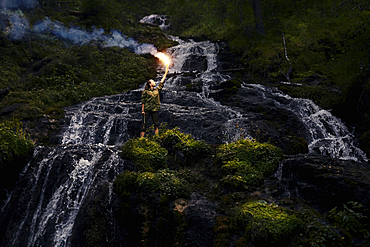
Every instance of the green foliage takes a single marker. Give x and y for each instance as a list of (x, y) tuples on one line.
[(151, 153), (266, 224), (146, 154), (240, 175), (166, 182), (317, 232), (350, 219), (55, 75), (176, 141), (14, 142), (247, 163)]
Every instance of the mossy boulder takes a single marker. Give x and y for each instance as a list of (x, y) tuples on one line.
[(266, 225), (246, 163), (146, 154)]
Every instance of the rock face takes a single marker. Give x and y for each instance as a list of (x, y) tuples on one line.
[(200, 217), (267, 122), (326, 182)]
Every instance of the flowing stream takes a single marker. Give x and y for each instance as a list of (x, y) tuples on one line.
[(55, 184)]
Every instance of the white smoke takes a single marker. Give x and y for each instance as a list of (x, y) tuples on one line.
[(18, 4), (19, 26)]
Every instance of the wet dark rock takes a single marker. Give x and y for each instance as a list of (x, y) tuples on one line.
[(200, 217), (195, 63), (326, 182), (269, 123)]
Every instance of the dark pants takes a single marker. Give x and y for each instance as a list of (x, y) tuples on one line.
[(146, 116)]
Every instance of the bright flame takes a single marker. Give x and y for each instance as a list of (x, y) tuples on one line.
[(164, 58)]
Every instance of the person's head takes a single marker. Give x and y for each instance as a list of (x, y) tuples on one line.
[(150, 84)]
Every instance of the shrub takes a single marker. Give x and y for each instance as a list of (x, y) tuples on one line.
[(317, 233)]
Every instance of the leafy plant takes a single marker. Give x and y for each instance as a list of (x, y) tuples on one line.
[(317, 233), (240, 175), (350, 219)]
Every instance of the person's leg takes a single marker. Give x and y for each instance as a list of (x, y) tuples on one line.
[(155, 121), (145, 124)]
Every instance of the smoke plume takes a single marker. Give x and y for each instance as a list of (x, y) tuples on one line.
[(18, 4), (19, 26)]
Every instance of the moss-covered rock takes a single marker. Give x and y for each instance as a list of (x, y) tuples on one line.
[(266, 224), (246, 163), (146, 154)]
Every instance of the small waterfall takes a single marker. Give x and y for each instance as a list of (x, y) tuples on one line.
[(327, 134), (56, 184), (99, 120)]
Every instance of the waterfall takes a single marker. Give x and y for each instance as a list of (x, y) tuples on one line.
[(58, 181), (327, 136)]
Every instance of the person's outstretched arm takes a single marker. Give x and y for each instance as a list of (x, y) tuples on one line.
[(165, 74), (160, 86)]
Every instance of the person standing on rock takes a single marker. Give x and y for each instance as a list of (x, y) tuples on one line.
[(151, 103)]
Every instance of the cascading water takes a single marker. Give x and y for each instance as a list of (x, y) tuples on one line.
[(327, 134), (58, 180)]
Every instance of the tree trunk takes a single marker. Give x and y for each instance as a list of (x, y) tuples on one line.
[(258, 17)]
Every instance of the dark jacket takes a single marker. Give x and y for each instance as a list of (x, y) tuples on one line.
[(150, 98)]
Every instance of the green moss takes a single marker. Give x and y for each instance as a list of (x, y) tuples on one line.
[(266, 224), (168, 183), (148, 196), (246, 163), (183, 149), (146, 154), (240, 174)]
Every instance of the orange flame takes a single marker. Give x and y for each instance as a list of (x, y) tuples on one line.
[(164, 58)]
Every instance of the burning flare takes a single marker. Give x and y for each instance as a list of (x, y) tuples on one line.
[(164, 58)]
